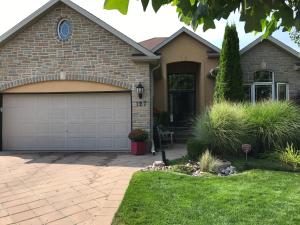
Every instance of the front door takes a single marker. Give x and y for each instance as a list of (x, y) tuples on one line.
[(182, 97)]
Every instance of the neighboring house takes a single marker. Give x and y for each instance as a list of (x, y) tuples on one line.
[(69, 81)]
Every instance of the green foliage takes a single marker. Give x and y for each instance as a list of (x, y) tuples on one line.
[(260, 15), (295, 36), (209, 163), (255, 197), (290, 156), (274, 123), (138, 135), (226, 126), (229, 79), (195, 148)]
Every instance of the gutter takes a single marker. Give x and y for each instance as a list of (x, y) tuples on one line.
[(152, 99)]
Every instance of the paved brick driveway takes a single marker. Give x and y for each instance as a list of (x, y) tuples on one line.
[(57, 188)]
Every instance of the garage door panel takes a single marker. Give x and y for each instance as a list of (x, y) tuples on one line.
[(106, 143), (121, 143), (66, 121), (105, 130), (105, 114), (88, 114), (43, 129), (120, 128), (121, 114)]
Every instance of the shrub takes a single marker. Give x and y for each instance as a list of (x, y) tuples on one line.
[(274, 123), (138, 135), (195, 148), (290, 156), (224, 127), (208, 163), (229, 78)]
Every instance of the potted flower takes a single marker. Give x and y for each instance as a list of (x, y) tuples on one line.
[(138, 139)]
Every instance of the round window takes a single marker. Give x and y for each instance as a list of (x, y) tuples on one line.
[(64, 30)]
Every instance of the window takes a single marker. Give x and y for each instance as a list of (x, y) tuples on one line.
[(263, 93), (282, 91), (263, 76), (264, 89), (263, 86), (64, 30)]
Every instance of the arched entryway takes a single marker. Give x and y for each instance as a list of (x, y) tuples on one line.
[(183, 88)]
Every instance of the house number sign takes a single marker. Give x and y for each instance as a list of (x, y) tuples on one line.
[(140, 103)]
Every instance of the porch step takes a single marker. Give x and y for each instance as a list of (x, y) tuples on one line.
[(182, 133)]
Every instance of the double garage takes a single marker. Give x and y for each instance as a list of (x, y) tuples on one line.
[(66, 121)]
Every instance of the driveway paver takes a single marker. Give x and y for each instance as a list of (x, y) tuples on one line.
[(67, 188)]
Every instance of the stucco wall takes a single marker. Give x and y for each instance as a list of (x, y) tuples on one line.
[(277, 60), (91, 52), (185, 48)]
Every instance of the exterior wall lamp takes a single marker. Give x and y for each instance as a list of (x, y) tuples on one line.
[(140, 90)]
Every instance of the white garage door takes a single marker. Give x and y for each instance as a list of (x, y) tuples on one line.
[(98, 121)]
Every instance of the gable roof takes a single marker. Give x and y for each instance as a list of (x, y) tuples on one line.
[(49, 5), (152, 42), (274, 41), (188, 32)]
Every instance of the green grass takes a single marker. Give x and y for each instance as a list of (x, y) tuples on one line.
[(259, 197)]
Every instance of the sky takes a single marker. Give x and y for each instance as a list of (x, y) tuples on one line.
[(137, 24)]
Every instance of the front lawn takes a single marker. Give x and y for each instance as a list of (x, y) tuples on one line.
[(251, 197)]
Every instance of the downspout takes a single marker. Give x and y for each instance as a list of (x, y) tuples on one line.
[(152, 101)]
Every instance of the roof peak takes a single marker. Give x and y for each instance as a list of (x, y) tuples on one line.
[(190, 33), (46, 7), (272, 39)]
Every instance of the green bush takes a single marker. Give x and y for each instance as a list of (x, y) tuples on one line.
[(290, 156), (209, 163), (195, 148), (226, 126), (274, 123)]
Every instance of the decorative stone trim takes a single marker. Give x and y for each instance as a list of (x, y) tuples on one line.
[(39, 79)]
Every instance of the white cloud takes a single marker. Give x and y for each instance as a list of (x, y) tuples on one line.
[(138, 25)]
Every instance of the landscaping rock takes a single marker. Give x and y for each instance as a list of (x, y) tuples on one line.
[(227, 171), (158, 164)]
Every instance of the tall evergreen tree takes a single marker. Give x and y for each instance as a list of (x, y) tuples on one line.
[(229, 79)]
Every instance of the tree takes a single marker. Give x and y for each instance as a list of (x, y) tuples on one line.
[(258, 15), (229, 79), (295, 36)]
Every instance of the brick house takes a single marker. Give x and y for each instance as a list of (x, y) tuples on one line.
[(69, 81)]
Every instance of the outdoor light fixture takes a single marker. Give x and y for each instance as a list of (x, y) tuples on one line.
[(140, 90)]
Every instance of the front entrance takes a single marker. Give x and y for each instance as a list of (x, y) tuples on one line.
[(182, 97)]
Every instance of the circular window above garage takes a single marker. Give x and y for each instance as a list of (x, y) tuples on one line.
[(64, 30)]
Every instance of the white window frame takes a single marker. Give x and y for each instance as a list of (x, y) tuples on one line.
[(287, 90), (271, 83)]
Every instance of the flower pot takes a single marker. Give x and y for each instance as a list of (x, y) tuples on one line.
[(138, 147)]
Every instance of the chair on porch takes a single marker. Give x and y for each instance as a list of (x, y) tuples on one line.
[(164, 136)]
